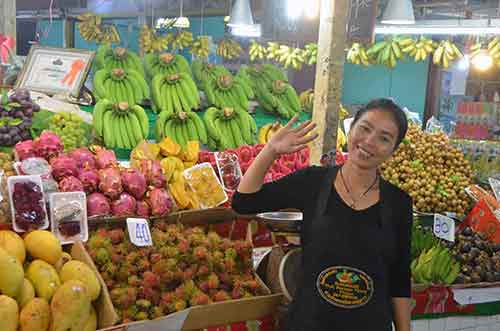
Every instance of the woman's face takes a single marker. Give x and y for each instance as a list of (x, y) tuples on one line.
[(372, 139)]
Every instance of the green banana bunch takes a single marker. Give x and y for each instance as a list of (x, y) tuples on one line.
[(357, 55), (119, 85), (201, 47), (280, 99), (420, 50), (243, 78), (226, 91), (421, 240), (386, 52), (166, 64), (445, 53), (311, 54), (174, 93), (435, 266), (229, 128), (256, 51), (205, 73), (228, 49), (182, 39), (119, 58), (181, 127), (264, 75), (120, 125)]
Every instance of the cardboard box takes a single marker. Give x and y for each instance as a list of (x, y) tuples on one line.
[(197, 317)]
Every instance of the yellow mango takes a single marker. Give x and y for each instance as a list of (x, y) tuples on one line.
[(13, 244), (44, 278), (70, 306), (35, 316), (91, 324), (9, 313), (77, 270), (11, 275), (26, 294), (43, 245)]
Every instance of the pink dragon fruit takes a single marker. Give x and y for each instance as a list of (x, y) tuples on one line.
[(98, 205), (110, 182), (89, 179), (134, 182), (63, 166), (70, 184), (160, 202), (143, 209), (84, 158), (125, 205), (24, 150), (48, 145), (153, 172), (105, 158)]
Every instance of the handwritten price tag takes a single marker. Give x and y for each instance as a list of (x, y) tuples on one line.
[(444, 227), (495, 186), (138, 230)]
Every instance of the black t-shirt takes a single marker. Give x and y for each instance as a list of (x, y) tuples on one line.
[(300, 190)]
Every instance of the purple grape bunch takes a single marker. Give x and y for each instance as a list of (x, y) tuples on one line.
[(16, 113), (27, 198)]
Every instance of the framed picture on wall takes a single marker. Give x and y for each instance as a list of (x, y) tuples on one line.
[(55, 70)]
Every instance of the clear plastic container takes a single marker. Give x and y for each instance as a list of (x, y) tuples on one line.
[(68, 214), (229, 169), (27, 206), (205, 184)]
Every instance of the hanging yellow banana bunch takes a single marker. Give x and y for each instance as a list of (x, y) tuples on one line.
[(494, 49), (182, 40), (256, 51), (90, 26), (229, 49), (201, 47), (420, 50), (357, 55), (446, 53)]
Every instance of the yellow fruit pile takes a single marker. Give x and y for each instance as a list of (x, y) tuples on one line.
[(52, 290), (432, 171), (7, 166)]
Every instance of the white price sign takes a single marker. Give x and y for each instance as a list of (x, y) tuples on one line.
[(495, 186), (138, 230), (444, 227)]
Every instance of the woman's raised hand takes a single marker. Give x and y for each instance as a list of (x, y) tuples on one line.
[(289, 139)]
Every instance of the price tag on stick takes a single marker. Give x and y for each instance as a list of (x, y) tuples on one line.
[(138, 230), (444, 227)]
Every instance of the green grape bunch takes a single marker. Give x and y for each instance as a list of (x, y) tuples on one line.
[(69, 127)]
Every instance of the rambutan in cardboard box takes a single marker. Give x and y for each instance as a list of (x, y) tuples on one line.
[(193, 318)]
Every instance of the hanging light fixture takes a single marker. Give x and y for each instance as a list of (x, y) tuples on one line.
[(399, 12), (182, 22), (241, 20), (482, 61)]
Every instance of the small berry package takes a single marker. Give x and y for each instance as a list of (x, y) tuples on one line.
[(68, 214), (27, 203)]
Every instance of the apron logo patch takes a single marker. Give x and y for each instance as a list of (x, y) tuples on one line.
[(345, 287)]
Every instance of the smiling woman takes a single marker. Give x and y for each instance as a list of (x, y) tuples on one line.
[(356, 226)]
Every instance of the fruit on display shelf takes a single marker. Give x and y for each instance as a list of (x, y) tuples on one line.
[(280, 99), (256, 51), (203, 72), (120, 85), (185, 267), (445, 53), (479, 257), (111, 58), (286, 55), (201, 47), (69, 126), (245, 81), (421, 239), (166, 64), (174, 93), (16, 113), (435, 266), (150, 41), (357, 54), (432, 171), (267, 131), (263, 74), (228, 49), (181, 127), (229, 128), (120, 125), (225, 91)]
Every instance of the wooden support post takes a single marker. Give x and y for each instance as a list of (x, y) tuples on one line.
[(69, 32), (8, 20), (329, 76)]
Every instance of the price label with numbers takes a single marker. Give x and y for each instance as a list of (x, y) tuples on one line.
[(495, 186), (444, 227), (138, 230)]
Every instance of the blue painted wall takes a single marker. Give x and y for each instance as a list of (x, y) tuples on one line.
[(407, 83)]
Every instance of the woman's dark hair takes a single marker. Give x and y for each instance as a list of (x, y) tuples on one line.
[(388, 106)]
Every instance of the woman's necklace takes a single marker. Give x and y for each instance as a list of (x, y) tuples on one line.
[(354, 201)]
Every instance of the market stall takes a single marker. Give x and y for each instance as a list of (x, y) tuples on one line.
[(120, 158)]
